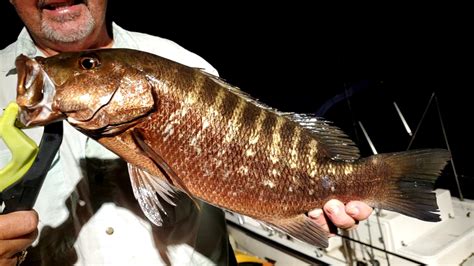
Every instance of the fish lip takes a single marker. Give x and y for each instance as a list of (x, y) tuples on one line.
[(27, 89), (35, 93)]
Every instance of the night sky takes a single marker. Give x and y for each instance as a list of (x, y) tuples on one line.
[(298, 57)]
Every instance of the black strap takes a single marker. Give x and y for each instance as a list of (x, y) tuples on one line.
[(23, 194)]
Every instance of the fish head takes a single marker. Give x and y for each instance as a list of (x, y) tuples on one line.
[(93, 90)]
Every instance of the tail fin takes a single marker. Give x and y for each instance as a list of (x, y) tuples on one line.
[(411, 185)]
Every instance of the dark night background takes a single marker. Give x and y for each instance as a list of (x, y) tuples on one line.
[(297, 57)]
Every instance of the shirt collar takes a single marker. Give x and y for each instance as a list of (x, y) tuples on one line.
[(122, 38), (25, 45)]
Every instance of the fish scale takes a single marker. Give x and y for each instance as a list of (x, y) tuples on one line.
[(179, 125)]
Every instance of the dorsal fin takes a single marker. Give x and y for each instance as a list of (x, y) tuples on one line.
[(339, 146), (148, 190), (337, 143)]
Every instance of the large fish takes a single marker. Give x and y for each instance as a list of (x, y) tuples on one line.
[(181, 128)]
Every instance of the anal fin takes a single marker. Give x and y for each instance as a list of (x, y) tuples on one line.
[(302, 228)]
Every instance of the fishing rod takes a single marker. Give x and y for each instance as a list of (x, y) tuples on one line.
[(379, 249)]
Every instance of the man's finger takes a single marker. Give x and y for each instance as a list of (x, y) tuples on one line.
[(336, 212), (17, 224), (10, 261), (358, 210), (317, 216), (8, 248)]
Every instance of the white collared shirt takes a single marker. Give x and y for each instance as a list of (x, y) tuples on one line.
[(113, 235)]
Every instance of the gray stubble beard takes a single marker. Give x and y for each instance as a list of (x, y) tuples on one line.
[(79, 34)]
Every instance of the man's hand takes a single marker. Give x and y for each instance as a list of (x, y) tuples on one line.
[(338, 215), (18, 230)]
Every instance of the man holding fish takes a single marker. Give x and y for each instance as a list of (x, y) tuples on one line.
[(86, 213)]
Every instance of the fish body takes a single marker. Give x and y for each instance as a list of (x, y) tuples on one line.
[(179, 127)]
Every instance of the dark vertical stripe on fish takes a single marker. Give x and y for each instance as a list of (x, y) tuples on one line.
[(267, 128), (184, 80), (287, 132), (250, 115), (229, 104), (208, 89)]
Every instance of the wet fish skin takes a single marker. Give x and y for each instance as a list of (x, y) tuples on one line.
[(208, 138)]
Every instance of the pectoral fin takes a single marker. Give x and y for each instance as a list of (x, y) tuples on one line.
[(170, 175), (148, 190), (301, 227)]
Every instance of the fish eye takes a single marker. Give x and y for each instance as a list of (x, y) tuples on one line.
[(88, 63)]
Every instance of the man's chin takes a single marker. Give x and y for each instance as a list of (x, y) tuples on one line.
[(69, 31)]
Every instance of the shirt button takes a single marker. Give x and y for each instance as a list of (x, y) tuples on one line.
[(109, 230)]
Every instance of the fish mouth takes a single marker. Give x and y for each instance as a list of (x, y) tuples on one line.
[(35, 93)]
